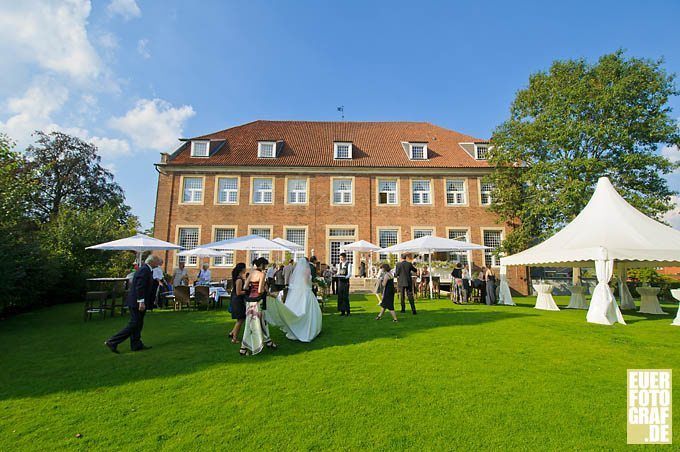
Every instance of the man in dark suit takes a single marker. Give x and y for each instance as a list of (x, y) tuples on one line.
[(404, 272), (312, 268), (140, 298)]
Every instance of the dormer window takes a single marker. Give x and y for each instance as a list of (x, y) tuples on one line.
[(418, 151), (200, 148), (342, 150), (481, 151), (266, 149)]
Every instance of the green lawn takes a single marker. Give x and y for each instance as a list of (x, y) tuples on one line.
[(453, 377)]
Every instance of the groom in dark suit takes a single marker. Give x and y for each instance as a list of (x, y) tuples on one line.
[(404, 272), (140, 298)]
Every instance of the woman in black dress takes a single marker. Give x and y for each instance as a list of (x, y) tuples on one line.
[(387, 303), (490, 286), (238, 300)]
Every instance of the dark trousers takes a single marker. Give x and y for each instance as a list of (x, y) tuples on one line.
[(132, 330), (404, 292), (343, 295)]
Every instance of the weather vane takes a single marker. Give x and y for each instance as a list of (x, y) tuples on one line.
[(341, 109)]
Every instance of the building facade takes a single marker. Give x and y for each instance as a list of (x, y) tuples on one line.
[(325, 184)]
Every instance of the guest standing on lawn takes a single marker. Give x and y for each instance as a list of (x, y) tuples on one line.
[(180, 277), (387, 302), (404, 272), (140, 298), (490, 278), (256, 331), (344, 273), (238, 300)]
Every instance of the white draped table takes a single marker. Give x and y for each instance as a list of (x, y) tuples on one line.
[(676, 295), (578, 297), (544, 300), (649, 303)]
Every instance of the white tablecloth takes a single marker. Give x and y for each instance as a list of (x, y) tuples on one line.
[(215, 292), (544, 300), (676, 295), (649, 303), (578, 298)]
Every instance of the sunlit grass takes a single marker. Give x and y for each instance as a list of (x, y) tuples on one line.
[(452, 377)]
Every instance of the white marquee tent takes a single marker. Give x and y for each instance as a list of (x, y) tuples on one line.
[(607, 231)]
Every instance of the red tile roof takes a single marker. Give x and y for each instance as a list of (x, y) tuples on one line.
[(310, 144)]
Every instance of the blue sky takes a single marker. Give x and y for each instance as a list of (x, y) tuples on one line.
[(133, 76)]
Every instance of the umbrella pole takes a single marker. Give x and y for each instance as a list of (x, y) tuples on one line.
[(429, 258), (139, 258)]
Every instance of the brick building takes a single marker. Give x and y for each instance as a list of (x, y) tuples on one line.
[(324, 184)]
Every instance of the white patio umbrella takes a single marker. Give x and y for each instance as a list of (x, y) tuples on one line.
[(138, 243), (292, 246), (362, 246), (288, 244), (202, 252), (432, 244), (247, 243)]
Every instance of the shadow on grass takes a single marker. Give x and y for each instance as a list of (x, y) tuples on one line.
[(53, 350)]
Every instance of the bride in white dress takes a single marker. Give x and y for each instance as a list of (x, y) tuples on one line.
[(300, 316)]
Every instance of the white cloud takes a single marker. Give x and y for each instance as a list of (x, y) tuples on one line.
[(108, 41), (143, 49), (672, 153), (33, 109), (672, 217), (51, 34), (153, 124), (127, 9), (109, 148)]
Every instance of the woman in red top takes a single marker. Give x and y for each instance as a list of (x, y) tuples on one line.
[(256, 331)]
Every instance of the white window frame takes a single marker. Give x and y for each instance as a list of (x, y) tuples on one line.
[(381, 229), (468, 254), (207, 148), (260, 153), (254, 254), (253, 192), (486, 151), (192, 201), (495, 260), (396, 192), (343, 192), (431, 229), (463, 193), (218, 191), (410, 151), (336, 151), (228, 260), (190, 261), (297, 254), (413, 193), (482, 193), (290, 192)]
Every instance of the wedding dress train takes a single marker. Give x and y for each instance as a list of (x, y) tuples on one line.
[(300, 316)]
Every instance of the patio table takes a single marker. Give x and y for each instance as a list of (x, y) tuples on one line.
[(578, 298), (649, 302), (544, 300)]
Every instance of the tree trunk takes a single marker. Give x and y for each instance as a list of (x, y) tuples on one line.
[(576, 276)]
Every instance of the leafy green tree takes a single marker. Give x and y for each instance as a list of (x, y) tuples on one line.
[(17, 187), (65, 238), (570, 126), (69, 171)]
